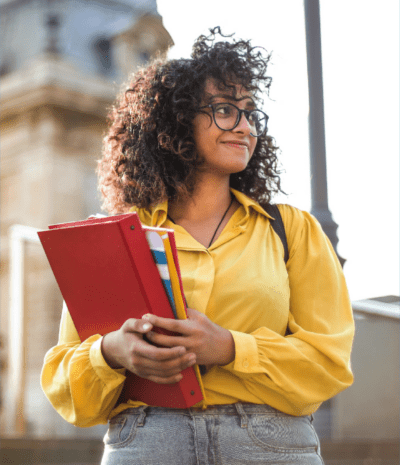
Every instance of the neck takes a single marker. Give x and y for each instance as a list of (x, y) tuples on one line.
[(210, 199)]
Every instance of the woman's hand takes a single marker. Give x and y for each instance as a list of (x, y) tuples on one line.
[(126, 348), (212, 344)]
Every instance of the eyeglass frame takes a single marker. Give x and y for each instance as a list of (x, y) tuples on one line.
[(240, 112)]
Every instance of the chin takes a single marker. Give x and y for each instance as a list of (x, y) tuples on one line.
[(239, 167), (229, 167), (232, 170)]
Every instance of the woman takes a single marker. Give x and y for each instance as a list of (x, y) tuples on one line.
[(188, 149)]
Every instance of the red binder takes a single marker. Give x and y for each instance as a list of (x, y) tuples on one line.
[(106, 274)]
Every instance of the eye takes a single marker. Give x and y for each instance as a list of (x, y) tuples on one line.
[(253, 118), (224, 109)]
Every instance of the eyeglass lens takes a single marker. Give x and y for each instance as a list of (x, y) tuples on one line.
[(226, 117)]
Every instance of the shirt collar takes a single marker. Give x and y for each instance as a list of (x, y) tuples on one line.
[(156, 216), (248, 203)]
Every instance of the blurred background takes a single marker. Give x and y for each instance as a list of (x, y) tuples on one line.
[(62, 63)]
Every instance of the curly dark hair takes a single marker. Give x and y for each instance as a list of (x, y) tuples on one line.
[(149, 153)]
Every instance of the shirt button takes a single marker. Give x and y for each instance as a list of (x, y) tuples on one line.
[(246, 364)]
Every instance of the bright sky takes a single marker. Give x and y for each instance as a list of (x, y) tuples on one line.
[(360, 53)]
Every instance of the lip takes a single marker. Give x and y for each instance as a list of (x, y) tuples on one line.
[(237, 143)]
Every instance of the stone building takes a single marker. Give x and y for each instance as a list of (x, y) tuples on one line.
[(61, 65)]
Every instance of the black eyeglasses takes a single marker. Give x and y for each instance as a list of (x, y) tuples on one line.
[(227, 116)]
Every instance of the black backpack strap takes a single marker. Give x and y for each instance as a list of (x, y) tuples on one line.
[(278, 227)]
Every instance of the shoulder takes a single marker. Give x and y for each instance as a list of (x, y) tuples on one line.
[(301, 227), (291, 214), (294, 217)]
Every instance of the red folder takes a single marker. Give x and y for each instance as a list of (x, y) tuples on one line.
[(106, 274)]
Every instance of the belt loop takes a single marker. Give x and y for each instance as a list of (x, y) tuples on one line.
[(142, 415), (242, 414)]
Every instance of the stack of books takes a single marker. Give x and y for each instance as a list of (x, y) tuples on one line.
[(112, 269)]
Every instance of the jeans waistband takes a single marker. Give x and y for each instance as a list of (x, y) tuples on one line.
[(239, 408)]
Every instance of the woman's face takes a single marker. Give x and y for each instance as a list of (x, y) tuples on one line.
[(224, 152)]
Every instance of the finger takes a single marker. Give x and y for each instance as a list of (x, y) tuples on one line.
[(158, 354), (176, 326), (166, 369), (146, 372), (174, 366), (170, 380), (137, 326), (166, 340)]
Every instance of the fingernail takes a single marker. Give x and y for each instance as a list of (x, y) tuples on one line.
[(146, 316), (146, 326)]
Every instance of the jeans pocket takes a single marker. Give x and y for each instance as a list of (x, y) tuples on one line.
[(121, 430), (283, 433)]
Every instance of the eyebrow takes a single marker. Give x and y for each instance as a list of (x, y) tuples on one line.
[(211, 97)]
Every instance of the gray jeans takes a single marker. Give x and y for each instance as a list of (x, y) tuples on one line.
[(234, 434)]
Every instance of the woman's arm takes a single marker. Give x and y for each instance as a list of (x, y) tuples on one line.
[(84, 388), (312, 364), (77, 380)]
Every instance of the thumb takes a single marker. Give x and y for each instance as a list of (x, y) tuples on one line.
[(137, 326)]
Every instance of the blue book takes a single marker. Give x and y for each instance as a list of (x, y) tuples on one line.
[(158, 251)]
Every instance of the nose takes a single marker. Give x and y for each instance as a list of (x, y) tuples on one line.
[(243, 125)]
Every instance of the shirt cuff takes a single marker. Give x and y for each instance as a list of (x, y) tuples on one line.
[(246, 354), (101, 367)]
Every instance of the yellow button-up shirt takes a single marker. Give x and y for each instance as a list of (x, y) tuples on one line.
[(242, 284)]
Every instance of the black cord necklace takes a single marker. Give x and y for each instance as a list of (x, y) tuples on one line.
[(219, 224)]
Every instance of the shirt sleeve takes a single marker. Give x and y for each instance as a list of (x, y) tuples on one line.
[(77, 380), (312, 364)]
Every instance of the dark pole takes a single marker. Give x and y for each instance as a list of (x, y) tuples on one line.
[(52, 23), (319, 188)]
